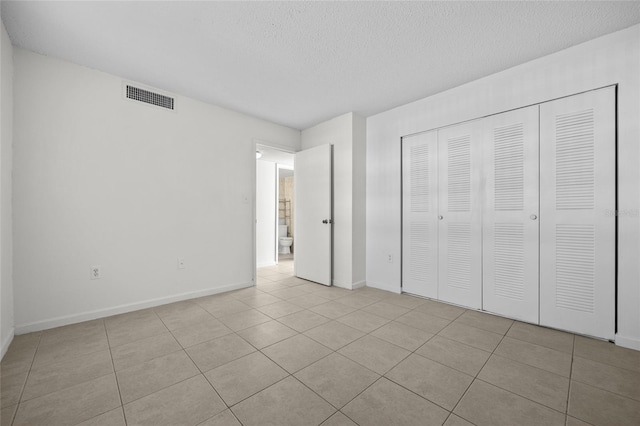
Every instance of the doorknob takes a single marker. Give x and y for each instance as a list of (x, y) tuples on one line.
[(440, 217), (533, 217), (325, 221)]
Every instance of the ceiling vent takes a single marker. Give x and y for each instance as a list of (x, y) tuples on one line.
[(148, 97)]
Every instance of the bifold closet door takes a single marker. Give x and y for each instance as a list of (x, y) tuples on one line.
[(577, 227), (510, 219), (460, 210), (420, 214)]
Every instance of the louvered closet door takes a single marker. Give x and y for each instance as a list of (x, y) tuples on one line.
[(420, 214), (460, 236), (510, 219), (577, 229)]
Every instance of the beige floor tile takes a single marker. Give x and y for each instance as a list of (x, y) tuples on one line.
[(454, 420), (287, 403), (613, 379), (338, 419), (226, 418), (239, 379), (151, 376), (121, 332), (506, 408), (337, 379), (607, 353), (202, 332), (79, 331), (189, 402), (373, 292), (246, 319), (128, 355), (331, 293), (56, 351), (245, 292), (110, 418), (289, 293), (61, 375), (333, 309), (6, 415), (181, 314), (20, 354), (296, 352), (535, 355), (334, 334), (280, 309), (11, 386), (375, 354), (386, 310), (429, 323), (262, 299), (385, 403), (358, 301), (454, 354), (431, 380), (363, 321), (269, 286), (303, 320), (72, 405), (480, 339), (547, 337), (222, 307), (485, 321), (575, 422), (532, 383), (216, 352), (404, 300), (265, 334), (599, 407), (402, 335), (309, 300), (278, 276), (440, 309)]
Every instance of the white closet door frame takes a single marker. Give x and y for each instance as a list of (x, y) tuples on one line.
[(460, 206), (420, 214), (577, 224), (511, 210)]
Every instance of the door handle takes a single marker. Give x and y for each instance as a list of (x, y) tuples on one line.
[(327, 221), (533, 217), (440, 217)]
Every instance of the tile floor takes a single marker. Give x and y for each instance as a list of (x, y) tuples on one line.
[(290, 352)]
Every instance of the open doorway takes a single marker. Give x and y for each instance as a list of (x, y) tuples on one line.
[(275, 228)]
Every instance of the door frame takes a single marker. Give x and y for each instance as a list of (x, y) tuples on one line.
[(255, 144)]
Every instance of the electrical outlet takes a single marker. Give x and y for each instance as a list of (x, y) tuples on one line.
[(181, 263), (95, 272), (390, 258)]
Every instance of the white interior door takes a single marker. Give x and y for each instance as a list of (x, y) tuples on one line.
[(420, 214), (313, 214), (460, 207), (577, 219), (510, 218)]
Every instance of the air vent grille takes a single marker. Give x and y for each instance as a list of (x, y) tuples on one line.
[(148, 97)]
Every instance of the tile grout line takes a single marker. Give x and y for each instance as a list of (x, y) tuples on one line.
[(24, 385)]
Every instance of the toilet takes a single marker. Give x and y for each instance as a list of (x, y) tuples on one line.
[(284, 242)]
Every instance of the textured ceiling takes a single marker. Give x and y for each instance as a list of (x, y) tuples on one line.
[(300, 63)]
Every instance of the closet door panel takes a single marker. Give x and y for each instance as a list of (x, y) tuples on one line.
[(577, 227), (510, 218), (420, 214), (460, 236)]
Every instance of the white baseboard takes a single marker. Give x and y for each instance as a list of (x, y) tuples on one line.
[(358, 284), (6, 342), (121, 309), (384, 286), (628, 342)]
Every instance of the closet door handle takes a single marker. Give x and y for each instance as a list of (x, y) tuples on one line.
[(440, 217), (533, 217)]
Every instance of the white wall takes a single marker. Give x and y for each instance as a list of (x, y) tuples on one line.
[(101, 180), (265, 213), (346, 133), (608, 60), (6, 142), (359, 205)]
